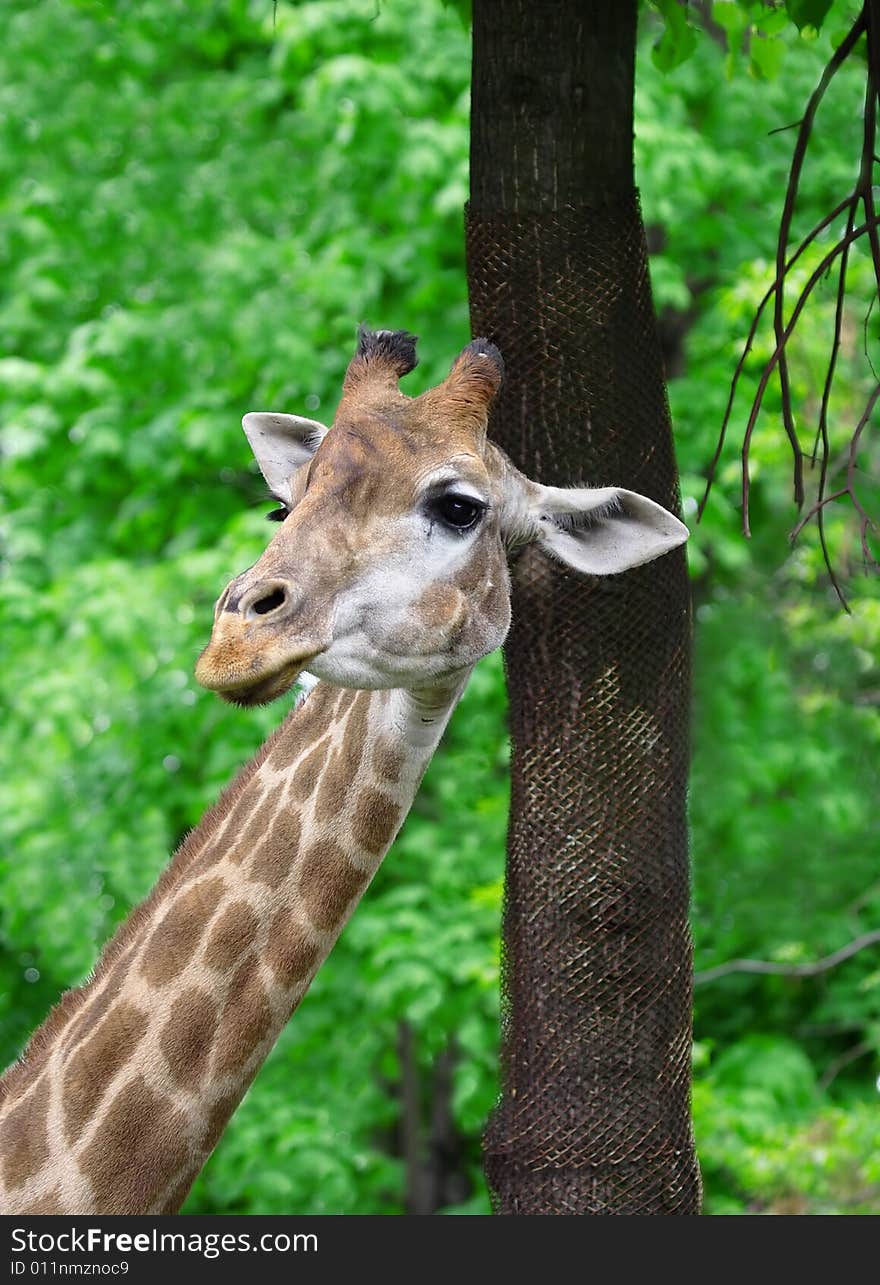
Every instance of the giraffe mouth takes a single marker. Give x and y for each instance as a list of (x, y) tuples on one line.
[(265, 689), (257, 690)]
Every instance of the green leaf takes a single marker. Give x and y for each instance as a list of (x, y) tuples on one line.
[(766, 57), (678, 40), (808, 13)]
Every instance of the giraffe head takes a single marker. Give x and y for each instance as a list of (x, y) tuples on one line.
[(389, 568)]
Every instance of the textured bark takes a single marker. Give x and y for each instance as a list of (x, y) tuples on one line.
[(552, 103), (595, 1115)]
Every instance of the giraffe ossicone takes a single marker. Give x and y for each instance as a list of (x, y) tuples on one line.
[(387, 581)]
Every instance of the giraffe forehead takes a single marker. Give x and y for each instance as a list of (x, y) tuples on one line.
[(382, 463)]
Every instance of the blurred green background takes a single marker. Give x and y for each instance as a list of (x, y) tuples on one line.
[(198, 202)]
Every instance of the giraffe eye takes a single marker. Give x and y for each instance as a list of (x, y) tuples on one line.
[(278, 515), (458, 511)]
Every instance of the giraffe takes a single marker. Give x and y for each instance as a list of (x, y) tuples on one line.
[(387, 581)]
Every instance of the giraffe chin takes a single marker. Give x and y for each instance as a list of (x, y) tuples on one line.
[(264, 690)]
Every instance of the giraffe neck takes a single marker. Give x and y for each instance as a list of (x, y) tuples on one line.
[(124, 1092)]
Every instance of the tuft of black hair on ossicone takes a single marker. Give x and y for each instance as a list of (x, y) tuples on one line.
[(393, 348), (485, 348)]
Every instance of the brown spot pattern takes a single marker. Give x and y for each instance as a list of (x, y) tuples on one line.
[(290, 954), (212, 856), (249, 839), (375, 820), (171, 945), (333, 790), (231, 937), (274, 861), (327, 883), (439, 605), (88, 1019), (246, 1019), (138, 1149), (48, 1204), (387, 760), (315, 713), (37, 1052), (218, 1118), (95, 1063), (356, 727), (180, 1193), (24, 1141), (343, 763), (188, 1035), (347, 697), (305, 779), (217, 846)]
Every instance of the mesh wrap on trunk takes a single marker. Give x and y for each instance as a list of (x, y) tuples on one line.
[(595, 1108)]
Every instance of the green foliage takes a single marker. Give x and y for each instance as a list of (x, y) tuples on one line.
[(199, 202), (678, 40), (463, 8), (784, 786), (808, 13), (758, 27)]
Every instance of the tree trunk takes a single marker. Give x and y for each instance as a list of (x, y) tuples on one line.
[(594, 1116)]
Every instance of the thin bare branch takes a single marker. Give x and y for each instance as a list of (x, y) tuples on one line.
[(833, 1069), (867, 318), (769, 968), (865, 523), (817, 510), (773, 361), (822, 432), (846, 204), (865, 185), (814, 509), (794, 177), (829, 566), (868, 24)]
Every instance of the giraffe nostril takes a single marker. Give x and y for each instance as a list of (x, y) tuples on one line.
[(262, 599), (271, 602)]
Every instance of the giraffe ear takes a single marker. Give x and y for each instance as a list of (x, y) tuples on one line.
[(601, 531), (281, 444)]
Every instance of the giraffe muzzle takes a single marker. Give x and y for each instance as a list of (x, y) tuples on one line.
[(260, 643)]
